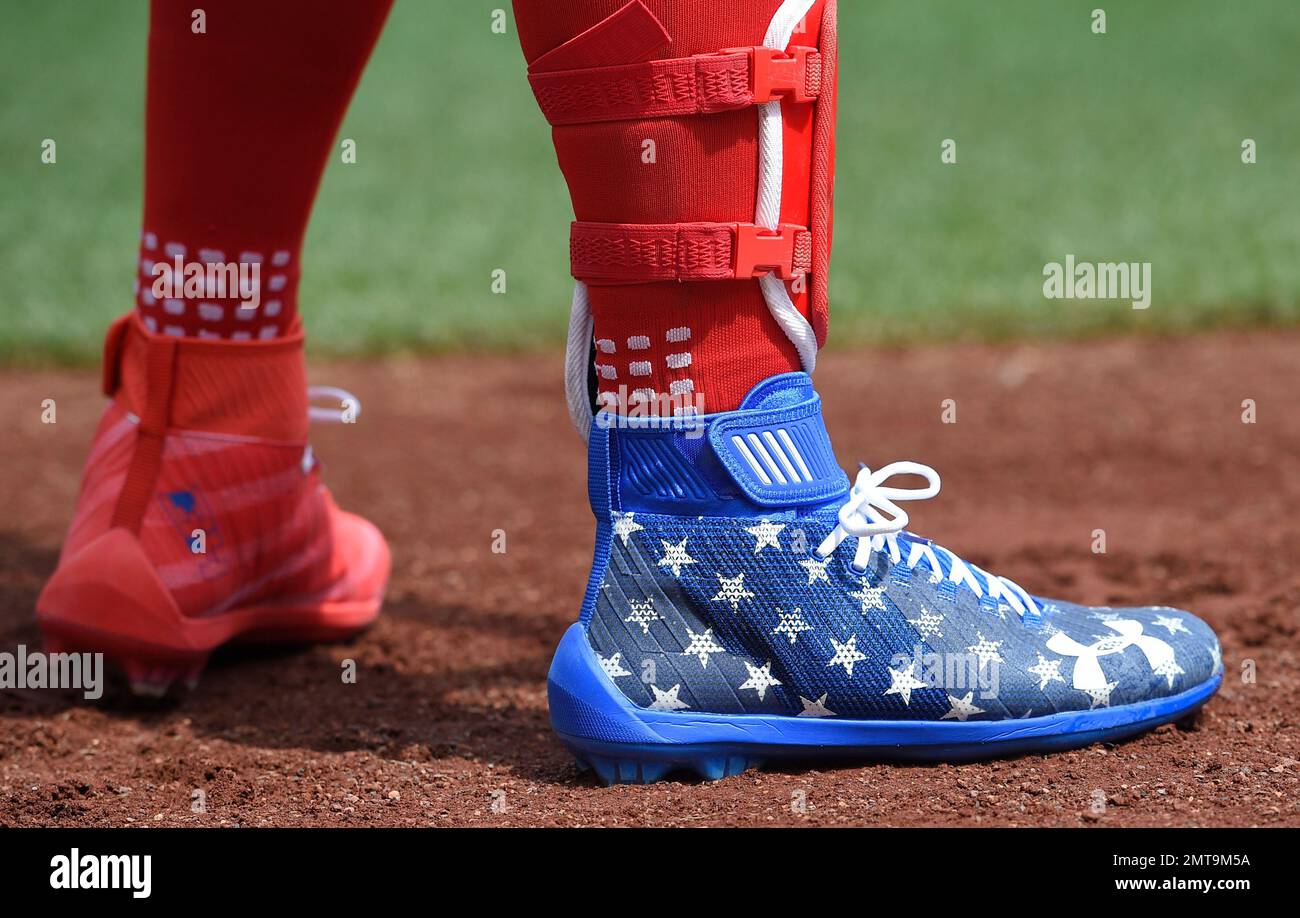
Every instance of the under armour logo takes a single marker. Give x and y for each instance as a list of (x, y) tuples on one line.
[(1088, 676)]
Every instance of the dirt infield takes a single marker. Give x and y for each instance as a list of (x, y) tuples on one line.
[(446, 725)]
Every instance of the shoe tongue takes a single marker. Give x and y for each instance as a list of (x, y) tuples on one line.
[(779, 391)]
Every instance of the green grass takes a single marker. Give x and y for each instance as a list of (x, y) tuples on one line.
[(1117, 147)]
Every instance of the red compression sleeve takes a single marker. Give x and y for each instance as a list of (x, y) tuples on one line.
[(242, 110)]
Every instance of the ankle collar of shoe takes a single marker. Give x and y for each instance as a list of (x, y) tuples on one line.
[(213, 385), (775, 449)]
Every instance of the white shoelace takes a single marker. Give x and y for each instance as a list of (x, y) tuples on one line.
[(872, 516), (347, 412)]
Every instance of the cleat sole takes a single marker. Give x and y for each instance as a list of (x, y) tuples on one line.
[(629, 744), (108, 599), (648, 764)]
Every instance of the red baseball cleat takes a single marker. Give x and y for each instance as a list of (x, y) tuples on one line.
[(202, 518)]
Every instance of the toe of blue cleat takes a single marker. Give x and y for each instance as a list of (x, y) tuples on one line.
[(1173, 651)]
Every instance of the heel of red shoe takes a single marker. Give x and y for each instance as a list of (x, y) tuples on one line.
[(108, 599)]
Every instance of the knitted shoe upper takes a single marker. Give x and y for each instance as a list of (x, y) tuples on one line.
[(715, 598)]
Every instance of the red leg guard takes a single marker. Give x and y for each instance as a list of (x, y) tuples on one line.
[(678, 188)]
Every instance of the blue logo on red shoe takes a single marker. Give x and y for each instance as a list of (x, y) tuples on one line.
[(183, 499), (192, 518)]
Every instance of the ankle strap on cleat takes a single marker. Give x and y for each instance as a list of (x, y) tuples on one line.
[(216, 386), (213, 385), (698, 85), (774, 452), (779, 457), (605, 253)]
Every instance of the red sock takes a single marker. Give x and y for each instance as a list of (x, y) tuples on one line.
[(240, 122), (710, 339)]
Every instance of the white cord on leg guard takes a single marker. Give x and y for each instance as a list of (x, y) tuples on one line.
[(771, 171), (781, 29), (577, 355)]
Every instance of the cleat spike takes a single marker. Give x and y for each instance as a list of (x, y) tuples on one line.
[(190, 678), (148, 689), (711, 768), (628, 771), (606, 769), (654, 771), (155, 679)]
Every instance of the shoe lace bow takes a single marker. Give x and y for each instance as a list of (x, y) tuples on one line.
[(873, 516)]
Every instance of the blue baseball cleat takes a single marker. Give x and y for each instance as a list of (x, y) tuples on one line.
[(747, 604)]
